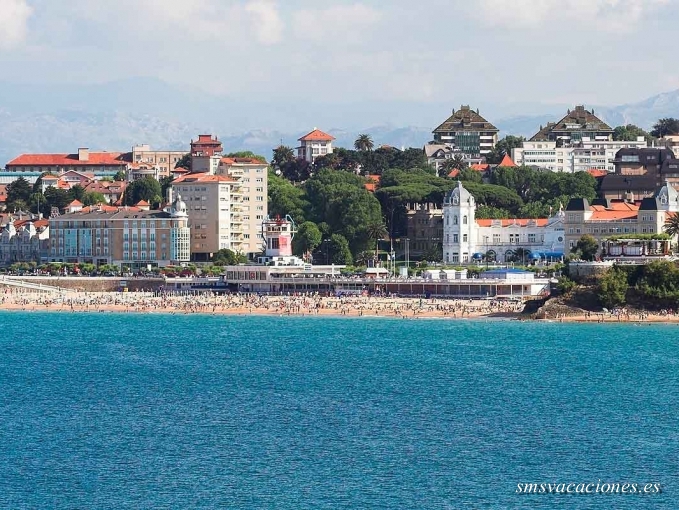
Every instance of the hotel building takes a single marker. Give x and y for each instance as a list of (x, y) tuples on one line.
[(314, 144), (467, 239), (122, 236)]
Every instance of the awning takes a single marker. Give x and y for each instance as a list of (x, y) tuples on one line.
[(537, 256), (477, 256), (553, 254)]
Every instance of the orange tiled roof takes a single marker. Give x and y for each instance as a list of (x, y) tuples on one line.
[(94, 159), (480, 167), (506, 222), (595, 172), (75, 203), (370, 186), (454, 173), (506, 161), (142, 203), (317, 136), (617, 210)]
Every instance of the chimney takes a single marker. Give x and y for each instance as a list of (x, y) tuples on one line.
[(83, 154)]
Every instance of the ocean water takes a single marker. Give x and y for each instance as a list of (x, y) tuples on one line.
[(131, 411)]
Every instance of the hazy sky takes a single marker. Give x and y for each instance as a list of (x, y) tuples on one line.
[(485, 51)]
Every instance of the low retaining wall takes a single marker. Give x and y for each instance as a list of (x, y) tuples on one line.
[(96, 284)]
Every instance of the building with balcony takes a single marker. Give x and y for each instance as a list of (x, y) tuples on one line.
[(467, 239), (314, 144), (576, 125), (215, 217), (23, 241), (468, 132), (620, 218), (124, 236), (579, 156), (252, 177)]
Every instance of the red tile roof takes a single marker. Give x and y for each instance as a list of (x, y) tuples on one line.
[(617, 210), (317, 136), (506, 222), (94, 159), (506, 161), (75, 203), (595, 172), (249, 161), (454, 173), (142, 203), (480, 167)]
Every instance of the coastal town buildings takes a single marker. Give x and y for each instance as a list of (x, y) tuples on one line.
[(580, 156), (214, 211), (163, 160), (623, 218), (467, 239), (641, 172), (466, 131), (124, 236), (577, 124), (424, 228), (99, 164), (314, 144), (23, 240)]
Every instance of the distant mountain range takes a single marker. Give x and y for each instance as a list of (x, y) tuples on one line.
[(116, 115)]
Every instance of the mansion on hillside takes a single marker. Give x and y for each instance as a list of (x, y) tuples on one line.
[(467, 239)]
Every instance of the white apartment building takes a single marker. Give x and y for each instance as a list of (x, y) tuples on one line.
[(587, 154), (213, 206), (467, 239)]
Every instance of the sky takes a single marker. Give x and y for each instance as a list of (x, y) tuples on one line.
[(522, 53)]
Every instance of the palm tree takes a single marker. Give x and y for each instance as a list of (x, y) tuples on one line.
[(364, 143), (672, 225), (376, 231), (521, 255)]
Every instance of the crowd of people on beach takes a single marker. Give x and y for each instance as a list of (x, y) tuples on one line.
[(288, 304)]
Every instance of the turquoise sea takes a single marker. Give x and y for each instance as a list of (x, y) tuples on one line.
[(157, 411)]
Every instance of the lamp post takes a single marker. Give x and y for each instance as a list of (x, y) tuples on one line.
[(407, 254)]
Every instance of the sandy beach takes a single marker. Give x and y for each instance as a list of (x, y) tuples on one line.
[(247, 304)]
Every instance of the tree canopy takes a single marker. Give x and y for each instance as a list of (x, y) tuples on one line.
[(146, 188), (629, 133), (664, 127)]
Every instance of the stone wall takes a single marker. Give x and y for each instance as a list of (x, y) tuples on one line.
[(96, 284)]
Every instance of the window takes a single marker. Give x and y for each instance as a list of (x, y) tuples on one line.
[(456, 238), (464, 238), (455, 220), (464, 220)]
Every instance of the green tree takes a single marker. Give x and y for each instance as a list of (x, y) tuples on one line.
[(286, 198), (55, 197), (77, 192), (376, 231), (184, 162), (307, 239), (470, 175), (586, 247), (120, 176), (612, 288), (503, 147), (281, 156), (339, 248), (672, 225), (165, 184), (18, 194), (364, 143), (226, 257), (628, 133), (667, 126), (246, 154), (146, 188), (93, 198)]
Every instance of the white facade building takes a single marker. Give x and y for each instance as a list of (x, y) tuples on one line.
[(314, 144), (466, 239), (585, 155)]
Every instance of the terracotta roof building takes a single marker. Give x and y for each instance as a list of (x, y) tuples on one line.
[(467, 239), (313, 144), (625, 217), (575, 125), (468, 132), (98, 163)]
